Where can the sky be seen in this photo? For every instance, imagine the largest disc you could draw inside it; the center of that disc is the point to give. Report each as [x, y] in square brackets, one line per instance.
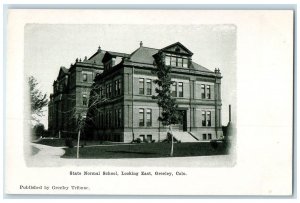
[50, 46]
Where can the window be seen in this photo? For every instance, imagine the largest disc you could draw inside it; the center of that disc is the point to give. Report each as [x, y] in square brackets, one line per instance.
[203, 118]
[209, 136]
[116, 118]
[173, 61]
[203, 91]
[208, 118]
[204, 136]
[84, 100]
[142, 137]
[141, 117]
[149, 117]
[119, 87]
[84, 77]
[174, 89]
[119, 117]
[185, 63]
[110, 90]
[107, 90]
[179, 62]
[180, 89]
[149, 86]
[141, 86]
[167, 60]
[116, 87]
[101, 92]
[208, 91]
[149, 138]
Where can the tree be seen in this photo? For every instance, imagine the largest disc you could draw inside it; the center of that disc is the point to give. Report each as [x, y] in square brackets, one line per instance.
[39, 130]
[38, 100]
[170, 114]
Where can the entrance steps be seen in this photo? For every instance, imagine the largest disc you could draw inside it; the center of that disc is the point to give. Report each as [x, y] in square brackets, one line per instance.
[184, 136]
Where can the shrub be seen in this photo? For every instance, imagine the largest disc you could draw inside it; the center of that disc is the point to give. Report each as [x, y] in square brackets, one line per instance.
[214, 144]
[138, 140]
[69, 142]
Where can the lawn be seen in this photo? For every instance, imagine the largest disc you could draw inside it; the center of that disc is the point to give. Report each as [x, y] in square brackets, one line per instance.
[147, 150]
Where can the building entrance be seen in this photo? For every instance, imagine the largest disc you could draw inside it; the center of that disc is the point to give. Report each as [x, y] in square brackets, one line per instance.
[182, 125]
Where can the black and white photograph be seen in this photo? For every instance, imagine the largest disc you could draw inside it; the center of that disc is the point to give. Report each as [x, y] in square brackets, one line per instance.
[158, 97]
[144, 103]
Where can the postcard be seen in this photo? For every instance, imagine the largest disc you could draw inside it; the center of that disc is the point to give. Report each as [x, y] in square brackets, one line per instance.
[149, 102]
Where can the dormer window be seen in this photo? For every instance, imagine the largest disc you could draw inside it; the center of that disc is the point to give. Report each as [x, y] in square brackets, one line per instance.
[176, 61]
[185, 62]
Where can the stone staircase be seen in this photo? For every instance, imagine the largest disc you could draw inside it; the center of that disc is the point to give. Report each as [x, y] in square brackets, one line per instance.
[184, 136]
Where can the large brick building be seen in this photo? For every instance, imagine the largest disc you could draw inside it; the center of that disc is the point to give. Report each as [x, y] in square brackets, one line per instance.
[122, 108]
[71, 92]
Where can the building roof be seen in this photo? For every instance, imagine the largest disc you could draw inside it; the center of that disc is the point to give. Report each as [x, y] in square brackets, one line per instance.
[62, 72]
[199, 67]
[178, 44]
[96, 58]
[113, 53]
[64, 69]
[143, 55]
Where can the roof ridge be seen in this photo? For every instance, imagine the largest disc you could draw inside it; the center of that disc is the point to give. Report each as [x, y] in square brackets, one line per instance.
[149, 48]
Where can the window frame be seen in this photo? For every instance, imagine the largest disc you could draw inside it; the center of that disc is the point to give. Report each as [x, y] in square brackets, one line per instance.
[203, 91]
[174, 92]
[84, 100]
[149, 112]
[208, 92]
[142, 82]
[141, 120]
[180, 93]
[209, 136]
[149, 82]
[84, 77]
[208, 118]
[203, 118]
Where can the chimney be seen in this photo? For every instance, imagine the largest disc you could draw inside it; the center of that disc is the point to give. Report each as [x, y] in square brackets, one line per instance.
[141, 43]
[99, 49]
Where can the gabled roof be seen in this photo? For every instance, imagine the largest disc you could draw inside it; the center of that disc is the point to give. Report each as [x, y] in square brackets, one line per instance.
[176, 45]
[143, 55]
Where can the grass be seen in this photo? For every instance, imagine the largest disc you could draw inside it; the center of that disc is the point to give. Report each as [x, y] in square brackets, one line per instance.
[147, 150]
[55, 142]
